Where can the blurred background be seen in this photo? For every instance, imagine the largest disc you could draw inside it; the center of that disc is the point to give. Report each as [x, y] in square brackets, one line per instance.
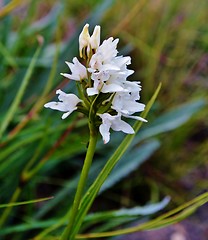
[42, 155]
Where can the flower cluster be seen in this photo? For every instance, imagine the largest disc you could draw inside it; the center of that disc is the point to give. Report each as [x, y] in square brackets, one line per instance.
[105, 94]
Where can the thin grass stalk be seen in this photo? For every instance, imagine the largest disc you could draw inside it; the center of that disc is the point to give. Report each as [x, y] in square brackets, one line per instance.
[12, 110]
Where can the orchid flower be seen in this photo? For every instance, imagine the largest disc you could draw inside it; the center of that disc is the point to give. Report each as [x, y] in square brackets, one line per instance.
[114, 122]
[105, 97]
[68, 103]
[102, 72]
[78, 71]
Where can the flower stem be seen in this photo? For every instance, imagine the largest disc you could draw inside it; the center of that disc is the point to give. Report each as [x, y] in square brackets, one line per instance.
[82, 181]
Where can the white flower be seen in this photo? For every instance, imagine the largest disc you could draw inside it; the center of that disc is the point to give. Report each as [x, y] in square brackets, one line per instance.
[122, 62]
[104, 72]
[104, 54]
[108, 71]
[102, 84]
[108, 49]
[68, 103]
[134, 88]
[78, 71]
[125, 104]
[114, 122]
[85, 41]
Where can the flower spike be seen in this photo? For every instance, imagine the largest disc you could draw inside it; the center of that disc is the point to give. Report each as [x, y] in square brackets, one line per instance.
[105, 94]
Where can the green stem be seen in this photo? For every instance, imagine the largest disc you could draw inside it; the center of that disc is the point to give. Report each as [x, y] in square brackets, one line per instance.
[82, 181]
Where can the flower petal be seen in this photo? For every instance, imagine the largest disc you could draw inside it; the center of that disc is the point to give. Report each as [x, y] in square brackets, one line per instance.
[105, 132]
[68, 103]
[78, 71]
[56, 106]
[114, 122]
[65, 115]
[135, 117]
[70, 100]
[109, 88]
[92, 91]
[120, 125]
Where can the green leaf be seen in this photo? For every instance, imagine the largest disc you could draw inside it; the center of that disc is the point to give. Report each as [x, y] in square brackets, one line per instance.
[12, 110]
[111, 219]
[95, 187]
[24, 203]
[132, 212]
[166, 219]
[122, 169]
[6, 55]
[28, 226]
[171, 120]
[130, 162]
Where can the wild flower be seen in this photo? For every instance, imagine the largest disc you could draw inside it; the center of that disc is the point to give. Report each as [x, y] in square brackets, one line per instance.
[105, 94]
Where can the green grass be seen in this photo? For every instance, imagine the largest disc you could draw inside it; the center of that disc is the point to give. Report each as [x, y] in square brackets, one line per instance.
[42, 155]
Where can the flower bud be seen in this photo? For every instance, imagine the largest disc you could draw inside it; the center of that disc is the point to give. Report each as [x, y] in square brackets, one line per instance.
[95, 38]
[84, 39]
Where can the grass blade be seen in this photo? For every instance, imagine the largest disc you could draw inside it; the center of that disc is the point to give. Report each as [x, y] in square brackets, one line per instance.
[12, 110]
[24, 202]
[169, 218]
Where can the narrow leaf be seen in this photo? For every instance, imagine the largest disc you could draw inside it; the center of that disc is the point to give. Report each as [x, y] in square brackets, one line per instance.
[95, 187]
[171, 217]
[130, 162]
[12, 110]
[132, 212]
[24, 203]
[171, 120]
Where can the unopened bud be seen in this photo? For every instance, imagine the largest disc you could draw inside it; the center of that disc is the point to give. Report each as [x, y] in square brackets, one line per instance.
[95, 38]
[84, 39]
